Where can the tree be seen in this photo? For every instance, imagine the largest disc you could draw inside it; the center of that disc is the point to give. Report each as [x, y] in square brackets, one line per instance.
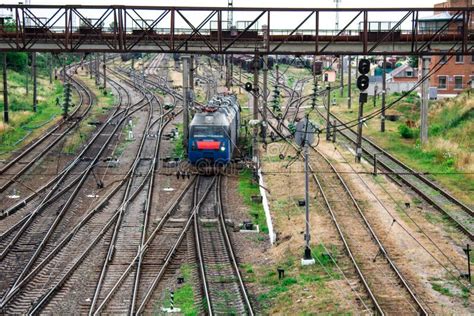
[413, 61]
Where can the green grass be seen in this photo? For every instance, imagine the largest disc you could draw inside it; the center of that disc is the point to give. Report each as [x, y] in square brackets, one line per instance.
[23, 121]
[184, 295]
[451, 138]
[248, 188]
[81, 135]
[296, 278]
[178, 150]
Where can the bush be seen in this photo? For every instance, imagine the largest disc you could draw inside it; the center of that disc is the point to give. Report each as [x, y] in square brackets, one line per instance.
[406, 132]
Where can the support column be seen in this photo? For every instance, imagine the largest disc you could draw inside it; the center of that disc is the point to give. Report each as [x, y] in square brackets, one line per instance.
[5, 90]
[35, 83]
[186, 62]
[265, 98]
[104, 66]
[424, 102]
[384, 91]
[255, 107]
[349, 83]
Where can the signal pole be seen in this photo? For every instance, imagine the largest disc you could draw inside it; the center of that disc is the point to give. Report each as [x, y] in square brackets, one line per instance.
[362, 84]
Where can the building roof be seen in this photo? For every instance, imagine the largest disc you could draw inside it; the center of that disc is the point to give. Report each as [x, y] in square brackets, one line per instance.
[398, 70]
[444, 16]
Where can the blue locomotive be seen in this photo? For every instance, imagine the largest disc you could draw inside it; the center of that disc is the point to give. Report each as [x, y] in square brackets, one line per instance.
[214, 131]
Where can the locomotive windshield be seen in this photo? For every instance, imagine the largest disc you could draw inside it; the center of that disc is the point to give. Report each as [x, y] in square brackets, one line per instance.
[208, 131]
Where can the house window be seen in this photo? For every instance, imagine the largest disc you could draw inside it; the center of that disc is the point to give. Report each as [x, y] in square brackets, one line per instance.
[459, 59]
[472, 58]
[444, 59]
[442, 82]
[472, 82]
[458, 82]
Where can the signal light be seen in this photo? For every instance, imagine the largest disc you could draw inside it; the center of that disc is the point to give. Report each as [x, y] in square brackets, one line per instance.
[362, 82]
[364, 66]
[248, 87]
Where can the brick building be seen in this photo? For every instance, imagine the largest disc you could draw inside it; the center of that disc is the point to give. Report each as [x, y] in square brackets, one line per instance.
[458, 72]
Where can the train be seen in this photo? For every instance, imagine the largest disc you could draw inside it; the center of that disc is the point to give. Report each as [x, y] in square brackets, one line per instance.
[214, 131]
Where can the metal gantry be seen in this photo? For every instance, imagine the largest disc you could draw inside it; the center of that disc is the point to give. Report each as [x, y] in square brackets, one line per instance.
[203, 30]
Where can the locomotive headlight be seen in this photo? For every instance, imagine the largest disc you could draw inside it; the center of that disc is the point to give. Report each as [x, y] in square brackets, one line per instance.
[222, 148]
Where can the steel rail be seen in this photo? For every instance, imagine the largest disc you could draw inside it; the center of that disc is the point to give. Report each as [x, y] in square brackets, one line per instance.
[230, 249]
[63, 209]
[349, 132]
[67, 238]
[367, 224]
[112, 242]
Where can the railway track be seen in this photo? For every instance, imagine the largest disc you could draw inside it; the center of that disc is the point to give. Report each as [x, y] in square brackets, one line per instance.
[47, 223]
[222, 283]
[459, 213]
[18, 170]
[38, 148]
[387, 288]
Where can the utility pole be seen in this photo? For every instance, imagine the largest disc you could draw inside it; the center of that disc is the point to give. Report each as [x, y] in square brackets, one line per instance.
[104, 66]
[97, 74]
[277, 72]
[50, 68]
[384, 91]
[240, 78]
[349, 82]
[328, 117]
[337, 14]
[304, 136]
[342, 75]
[255, 106]
[265, 97]
[35, 87]
[186, 61]
[5, 90]
[265, 85]
[90, 65]
[64, 70]
[424, 101]
[191, 74]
